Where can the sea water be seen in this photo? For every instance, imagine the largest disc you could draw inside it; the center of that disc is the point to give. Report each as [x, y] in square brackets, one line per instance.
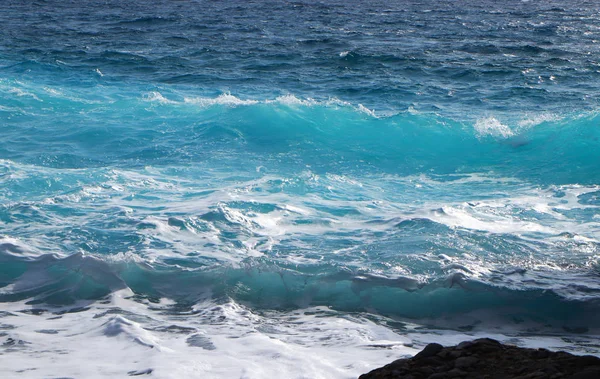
[253, 189]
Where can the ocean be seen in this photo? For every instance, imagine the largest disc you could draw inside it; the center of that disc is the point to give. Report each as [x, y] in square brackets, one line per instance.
[294, 189]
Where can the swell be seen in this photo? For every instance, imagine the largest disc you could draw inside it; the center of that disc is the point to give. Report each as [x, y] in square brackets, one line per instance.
[330, 136]
[51, 280]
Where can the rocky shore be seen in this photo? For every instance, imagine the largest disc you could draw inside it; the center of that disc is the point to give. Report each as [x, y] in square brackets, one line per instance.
[487, 358]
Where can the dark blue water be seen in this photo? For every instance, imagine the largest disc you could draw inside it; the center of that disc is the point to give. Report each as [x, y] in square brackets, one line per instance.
[431, 162]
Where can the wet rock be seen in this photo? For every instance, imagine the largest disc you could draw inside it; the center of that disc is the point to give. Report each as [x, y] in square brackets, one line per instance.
[540, 354]
[455, 353]
[431, 361]
[443, 354]
[464, 345]
[425, 371]
[441, 375]
[456, 373]
[486, 341]
[429, 351]
[593, 373]
[465, 362]
[487, 358]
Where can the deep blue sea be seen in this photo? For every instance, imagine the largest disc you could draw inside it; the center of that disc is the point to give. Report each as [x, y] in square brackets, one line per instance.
[294, 189]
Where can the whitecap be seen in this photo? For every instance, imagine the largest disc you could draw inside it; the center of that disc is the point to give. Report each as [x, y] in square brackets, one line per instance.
[491, 126]
[156, 96]
[223, 99]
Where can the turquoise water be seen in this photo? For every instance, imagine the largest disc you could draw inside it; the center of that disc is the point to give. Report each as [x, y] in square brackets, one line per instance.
[426, 163]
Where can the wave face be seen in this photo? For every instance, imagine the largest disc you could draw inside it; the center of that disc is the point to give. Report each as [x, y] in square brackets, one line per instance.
[373, 179]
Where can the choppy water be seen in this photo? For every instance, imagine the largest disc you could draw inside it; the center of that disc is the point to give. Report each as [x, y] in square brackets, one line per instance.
[302, 189]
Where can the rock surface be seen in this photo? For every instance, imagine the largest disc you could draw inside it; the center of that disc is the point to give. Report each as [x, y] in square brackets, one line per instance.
[487, 358]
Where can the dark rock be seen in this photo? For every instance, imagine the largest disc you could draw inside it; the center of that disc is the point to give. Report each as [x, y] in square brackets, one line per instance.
[550, 370]
[431, 361]
[488, 358]
[429, 351]
[456, 373]
[464, 362]
[533, 375]
[443, 354]
[440, 375]
[588, 373]
[425, 371]
[587, 360]
[456, 353]
[487, 341]
[464, 345]
[540, 354]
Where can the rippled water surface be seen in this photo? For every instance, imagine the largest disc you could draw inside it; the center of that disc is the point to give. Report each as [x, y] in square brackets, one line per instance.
[301, 189]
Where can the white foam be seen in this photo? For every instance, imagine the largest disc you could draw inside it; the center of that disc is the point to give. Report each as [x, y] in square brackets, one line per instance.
[292, 100]
[217, 341]
[230, 100]
[363, 109]
[534, 120]
[158, 97]
[223, 99]
[490, 126]
[457, 217]
[22, 93]
[221, 341]
[53, 91]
